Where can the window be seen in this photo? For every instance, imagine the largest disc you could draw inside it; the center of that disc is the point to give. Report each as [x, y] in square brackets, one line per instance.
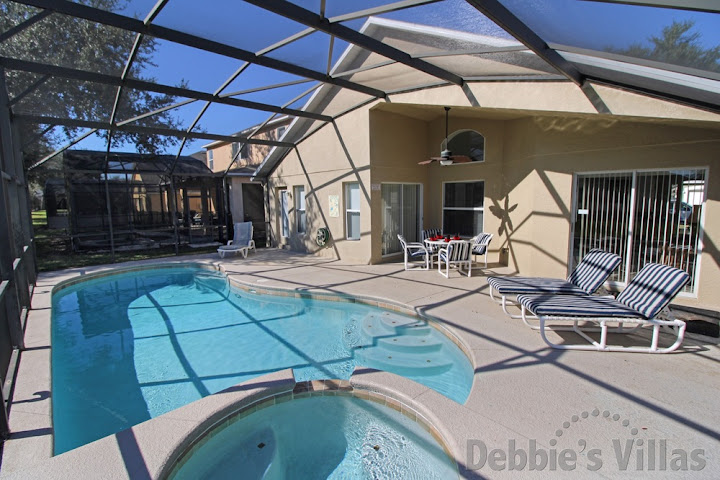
[243, 147]
[463, 208]
[300, 208]
[401, 215]
[352, 211]
[284, 213]
[280, 132]
[210, 159]
[466, 142]
[643, 216]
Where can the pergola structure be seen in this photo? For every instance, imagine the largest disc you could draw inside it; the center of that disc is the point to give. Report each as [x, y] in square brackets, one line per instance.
[259, 59]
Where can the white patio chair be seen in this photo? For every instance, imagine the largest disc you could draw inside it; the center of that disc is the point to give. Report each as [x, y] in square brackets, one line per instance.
[480, 245]
[242, 241]
[457, 253]
[414, 250]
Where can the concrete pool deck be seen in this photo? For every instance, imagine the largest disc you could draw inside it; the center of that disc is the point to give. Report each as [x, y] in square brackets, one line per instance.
[610, 415]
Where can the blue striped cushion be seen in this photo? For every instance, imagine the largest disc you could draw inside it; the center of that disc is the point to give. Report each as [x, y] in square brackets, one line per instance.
[576, 306]
[518, 285]
[457, 251]
[430, 232]
[479, 246]
[653, 288]
[595, 267]
[417, 253]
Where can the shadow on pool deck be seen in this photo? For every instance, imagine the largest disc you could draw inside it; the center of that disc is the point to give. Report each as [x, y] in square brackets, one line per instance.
[522, 391]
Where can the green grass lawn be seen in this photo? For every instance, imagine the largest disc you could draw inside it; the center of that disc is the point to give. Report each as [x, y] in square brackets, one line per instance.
[54, 250]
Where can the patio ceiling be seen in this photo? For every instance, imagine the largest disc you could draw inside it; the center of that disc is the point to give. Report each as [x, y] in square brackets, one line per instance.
[265, 59]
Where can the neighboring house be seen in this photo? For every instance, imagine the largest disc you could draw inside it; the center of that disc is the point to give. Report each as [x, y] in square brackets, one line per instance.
[551, 179]
[246, 197]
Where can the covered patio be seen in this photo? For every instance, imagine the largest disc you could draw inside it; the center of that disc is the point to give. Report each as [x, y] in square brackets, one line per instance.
[522, 392]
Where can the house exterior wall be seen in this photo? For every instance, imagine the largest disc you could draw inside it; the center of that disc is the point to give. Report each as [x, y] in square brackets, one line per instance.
[323, 164]
[530, 161]
[541, 156]
[222, 152]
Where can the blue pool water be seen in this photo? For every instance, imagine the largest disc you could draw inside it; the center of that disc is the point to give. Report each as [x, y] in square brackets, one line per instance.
[130, 347]
[319, 437]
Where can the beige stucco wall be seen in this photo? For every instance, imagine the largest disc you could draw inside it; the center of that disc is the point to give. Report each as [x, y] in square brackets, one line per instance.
[222, 152]
[531, 157]
[541, 156]
[323, 164]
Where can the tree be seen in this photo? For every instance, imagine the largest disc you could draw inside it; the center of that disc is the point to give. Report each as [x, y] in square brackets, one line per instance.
[677, 45]
[71, 42]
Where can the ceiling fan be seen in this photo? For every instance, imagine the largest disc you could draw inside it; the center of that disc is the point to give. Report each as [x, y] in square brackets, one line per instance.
[446, 157]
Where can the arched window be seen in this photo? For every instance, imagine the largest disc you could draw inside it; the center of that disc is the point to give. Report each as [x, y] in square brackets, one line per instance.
[466, 142]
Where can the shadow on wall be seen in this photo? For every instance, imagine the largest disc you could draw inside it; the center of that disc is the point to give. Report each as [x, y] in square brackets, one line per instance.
[568, 146]
[316, 206]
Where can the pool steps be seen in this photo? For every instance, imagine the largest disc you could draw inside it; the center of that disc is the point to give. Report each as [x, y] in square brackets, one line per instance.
[403, 345]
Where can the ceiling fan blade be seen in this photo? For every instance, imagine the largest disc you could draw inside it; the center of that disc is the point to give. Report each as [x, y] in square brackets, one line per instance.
[460, 158]
[426, 162]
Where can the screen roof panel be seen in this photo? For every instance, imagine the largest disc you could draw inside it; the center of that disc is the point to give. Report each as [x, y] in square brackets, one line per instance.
[232, 22]
[272, 53]
[133, 8]
[668, 35]
[310, 51]
[171, 64]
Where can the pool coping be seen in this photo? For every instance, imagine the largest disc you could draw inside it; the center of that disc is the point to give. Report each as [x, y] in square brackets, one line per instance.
[372, 391]
[36, 447]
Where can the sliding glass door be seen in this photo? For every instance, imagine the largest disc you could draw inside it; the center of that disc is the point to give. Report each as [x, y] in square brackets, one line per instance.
[400, 215]
[643, 216]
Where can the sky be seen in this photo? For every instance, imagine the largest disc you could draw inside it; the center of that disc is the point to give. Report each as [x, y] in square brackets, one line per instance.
[586, 24]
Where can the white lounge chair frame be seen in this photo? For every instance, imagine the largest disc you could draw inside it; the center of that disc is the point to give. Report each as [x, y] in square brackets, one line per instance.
[239, 245]
[643, 303]
[674, 325]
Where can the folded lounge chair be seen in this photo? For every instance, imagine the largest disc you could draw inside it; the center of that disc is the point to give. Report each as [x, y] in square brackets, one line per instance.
[242, 240]
[640, 303]
[590, 274]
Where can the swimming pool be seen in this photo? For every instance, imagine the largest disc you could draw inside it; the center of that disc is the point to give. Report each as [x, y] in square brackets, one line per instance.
[318, 437]
[132, 346]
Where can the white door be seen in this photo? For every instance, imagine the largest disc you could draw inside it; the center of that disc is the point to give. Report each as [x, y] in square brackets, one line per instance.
[285, 213]
[401, 215]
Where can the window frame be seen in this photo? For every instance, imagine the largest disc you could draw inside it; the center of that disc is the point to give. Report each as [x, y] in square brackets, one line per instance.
[468, 209]
[300, 220]
[348, 211]
[446, 141]
[211, 160]
[626, 258]
[284, 213]
[235, 146]
[420, 213]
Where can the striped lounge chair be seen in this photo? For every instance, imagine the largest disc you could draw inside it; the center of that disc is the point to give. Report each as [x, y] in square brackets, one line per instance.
[413, 251]
[590, 274]
[642, 301]
[457, 253]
